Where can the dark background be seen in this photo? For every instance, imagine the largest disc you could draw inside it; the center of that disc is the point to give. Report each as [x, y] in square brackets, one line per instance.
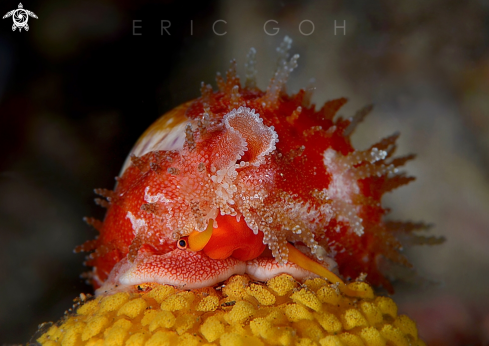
[78, 89]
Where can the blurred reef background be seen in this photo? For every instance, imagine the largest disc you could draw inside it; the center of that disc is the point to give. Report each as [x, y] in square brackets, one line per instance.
[78, 89]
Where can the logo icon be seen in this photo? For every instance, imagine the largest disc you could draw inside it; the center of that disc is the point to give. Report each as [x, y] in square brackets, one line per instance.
[20, 17]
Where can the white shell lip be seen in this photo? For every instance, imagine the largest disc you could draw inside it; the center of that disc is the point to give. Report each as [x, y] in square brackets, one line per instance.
[125, 275]
[129, 278]
[263, 269]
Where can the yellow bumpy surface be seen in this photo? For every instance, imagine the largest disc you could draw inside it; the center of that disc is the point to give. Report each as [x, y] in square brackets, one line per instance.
[238, 313]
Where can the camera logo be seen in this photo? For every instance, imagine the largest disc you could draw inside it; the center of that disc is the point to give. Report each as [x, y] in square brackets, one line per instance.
[20, 17]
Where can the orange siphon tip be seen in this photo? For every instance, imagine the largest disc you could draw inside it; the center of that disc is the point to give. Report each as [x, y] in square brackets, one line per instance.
[198, 240]
[297, 257]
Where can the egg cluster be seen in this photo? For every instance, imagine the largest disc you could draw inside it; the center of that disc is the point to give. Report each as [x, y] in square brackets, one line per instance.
[239, 312]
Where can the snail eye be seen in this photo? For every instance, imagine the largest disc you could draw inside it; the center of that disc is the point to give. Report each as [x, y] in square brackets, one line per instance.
[182, 243]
